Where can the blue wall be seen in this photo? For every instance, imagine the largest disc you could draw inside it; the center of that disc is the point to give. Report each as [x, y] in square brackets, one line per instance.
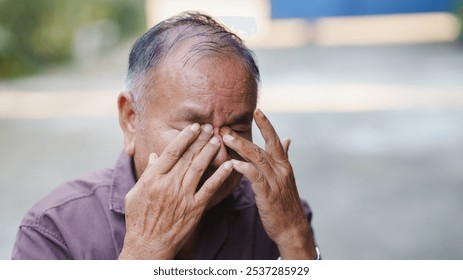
[322, 8]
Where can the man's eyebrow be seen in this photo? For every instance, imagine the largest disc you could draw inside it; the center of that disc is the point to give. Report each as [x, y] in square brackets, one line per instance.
[196, 116]
[190, 115]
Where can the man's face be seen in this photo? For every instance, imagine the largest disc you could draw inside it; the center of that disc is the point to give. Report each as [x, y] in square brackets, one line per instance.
[206, 89]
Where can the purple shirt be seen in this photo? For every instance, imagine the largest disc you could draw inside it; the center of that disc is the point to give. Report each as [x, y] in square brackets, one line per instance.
[85, 219]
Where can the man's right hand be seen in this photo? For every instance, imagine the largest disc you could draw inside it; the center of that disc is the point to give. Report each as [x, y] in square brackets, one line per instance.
[165, 206]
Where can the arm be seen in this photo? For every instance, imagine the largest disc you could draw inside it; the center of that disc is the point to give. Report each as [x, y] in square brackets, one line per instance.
[36, 243]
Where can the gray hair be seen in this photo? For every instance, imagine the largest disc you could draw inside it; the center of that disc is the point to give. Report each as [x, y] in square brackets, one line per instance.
[153, 46]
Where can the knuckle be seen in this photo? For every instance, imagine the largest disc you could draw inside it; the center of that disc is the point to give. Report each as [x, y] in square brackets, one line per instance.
[197, 168]
[260, 178]
[261, 160]
[173, 152]
[286, 172]
[260, 156]
[207, 189]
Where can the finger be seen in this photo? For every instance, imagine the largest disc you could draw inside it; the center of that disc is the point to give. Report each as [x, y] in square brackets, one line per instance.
[174, 151]
[184, 162]
[248, 150]
[258, 180]
[196, 147]
[272, 141]
[285, 143]
[199, 164]
[213, 184]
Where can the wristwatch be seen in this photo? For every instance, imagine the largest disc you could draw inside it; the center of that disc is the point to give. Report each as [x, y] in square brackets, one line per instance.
[319, 256]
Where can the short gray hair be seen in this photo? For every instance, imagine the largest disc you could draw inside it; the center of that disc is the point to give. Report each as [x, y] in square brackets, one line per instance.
[153, 46]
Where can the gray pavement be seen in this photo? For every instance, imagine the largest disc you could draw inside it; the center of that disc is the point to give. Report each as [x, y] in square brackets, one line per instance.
[382, 184]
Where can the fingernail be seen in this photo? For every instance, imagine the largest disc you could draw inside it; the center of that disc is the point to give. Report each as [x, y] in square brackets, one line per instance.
[234, 161]
[194, 127]
[152, 158]
[228, 138]
[207, 128]
[259, 112]
[227, 165]
[214, 140]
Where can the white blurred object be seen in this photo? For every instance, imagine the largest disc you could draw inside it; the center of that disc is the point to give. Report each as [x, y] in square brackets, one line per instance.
[251, 20]
[387, 29]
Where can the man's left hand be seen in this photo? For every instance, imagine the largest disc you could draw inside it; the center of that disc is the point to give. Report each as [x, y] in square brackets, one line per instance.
[274, 185]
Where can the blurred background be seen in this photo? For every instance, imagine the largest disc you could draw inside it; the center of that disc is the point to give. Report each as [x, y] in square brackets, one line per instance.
[370, 91]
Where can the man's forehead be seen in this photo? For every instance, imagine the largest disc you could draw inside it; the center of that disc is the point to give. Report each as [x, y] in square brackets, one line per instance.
[207, 81]
[189, 53]
[207, 75]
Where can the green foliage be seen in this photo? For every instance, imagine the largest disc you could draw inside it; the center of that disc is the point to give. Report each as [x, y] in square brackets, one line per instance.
[38, 33]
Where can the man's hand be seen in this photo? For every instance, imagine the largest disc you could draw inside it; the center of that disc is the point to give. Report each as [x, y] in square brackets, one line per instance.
[273, 182]
[165, 206]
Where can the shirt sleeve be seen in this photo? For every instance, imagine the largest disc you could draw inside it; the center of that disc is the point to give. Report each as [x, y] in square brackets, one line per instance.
[36, 243]
[307, 211]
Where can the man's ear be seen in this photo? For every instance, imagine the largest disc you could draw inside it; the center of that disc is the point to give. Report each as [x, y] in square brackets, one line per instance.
[128, 121]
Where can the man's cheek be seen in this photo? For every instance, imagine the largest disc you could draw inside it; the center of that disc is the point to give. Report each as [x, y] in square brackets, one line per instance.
[163, 138]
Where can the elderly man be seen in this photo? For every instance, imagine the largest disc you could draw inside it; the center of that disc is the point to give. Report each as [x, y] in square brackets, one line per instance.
[178, 190]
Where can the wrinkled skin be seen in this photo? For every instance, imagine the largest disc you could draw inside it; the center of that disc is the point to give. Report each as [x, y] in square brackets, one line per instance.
[185, 166]
[275, 189]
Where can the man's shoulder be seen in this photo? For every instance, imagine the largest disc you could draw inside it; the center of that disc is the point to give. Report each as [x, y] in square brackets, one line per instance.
[74, 221]
[87, 191]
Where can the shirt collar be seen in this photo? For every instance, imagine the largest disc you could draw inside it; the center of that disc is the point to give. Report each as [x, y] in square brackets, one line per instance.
[124, 179]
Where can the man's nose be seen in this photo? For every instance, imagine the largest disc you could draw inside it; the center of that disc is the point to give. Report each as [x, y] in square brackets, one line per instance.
[222, 155]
